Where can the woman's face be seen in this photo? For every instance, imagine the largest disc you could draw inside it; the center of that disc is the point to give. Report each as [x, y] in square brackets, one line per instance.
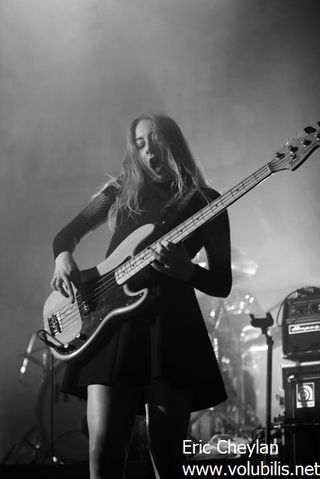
[150, 152]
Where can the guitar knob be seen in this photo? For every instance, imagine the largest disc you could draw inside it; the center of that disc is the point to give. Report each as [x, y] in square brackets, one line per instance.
[305, 142]
[82, 336]
[86, 307]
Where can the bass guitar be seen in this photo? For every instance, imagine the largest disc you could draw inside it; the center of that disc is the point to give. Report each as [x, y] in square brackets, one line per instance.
[72, 330]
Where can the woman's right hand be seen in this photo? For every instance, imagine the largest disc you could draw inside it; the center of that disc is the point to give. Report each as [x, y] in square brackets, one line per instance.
[66, 274]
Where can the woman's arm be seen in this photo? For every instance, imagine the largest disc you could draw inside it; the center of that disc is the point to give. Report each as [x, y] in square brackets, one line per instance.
[217, 279]
[92, 216]
[66, 271]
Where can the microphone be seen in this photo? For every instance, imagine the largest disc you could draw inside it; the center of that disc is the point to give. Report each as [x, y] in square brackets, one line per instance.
[27, 353]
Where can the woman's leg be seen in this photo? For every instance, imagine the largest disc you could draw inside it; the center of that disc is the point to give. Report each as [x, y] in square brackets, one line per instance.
[168, 414]
[111, 414]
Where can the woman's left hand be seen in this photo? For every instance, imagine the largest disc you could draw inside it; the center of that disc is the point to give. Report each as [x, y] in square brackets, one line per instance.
[173, 260]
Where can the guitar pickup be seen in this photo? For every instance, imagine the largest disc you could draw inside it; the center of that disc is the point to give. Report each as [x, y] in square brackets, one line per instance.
[84, 305]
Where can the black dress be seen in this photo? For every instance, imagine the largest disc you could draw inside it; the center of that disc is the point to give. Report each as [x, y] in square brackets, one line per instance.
[168, 339]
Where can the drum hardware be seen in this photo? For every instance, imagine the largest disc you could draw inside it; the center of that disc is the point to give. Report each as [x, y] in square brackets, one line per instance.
[31, 355]
[27, 354]
[27, 451]
[265, 323]
[30, 449]
[70, 432]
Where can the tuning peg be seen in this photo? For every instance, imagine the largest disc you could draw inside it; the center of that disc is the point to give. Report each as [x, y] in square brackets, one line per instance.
[279, 155]
[305, 141]
[309, 129]
[291, 147]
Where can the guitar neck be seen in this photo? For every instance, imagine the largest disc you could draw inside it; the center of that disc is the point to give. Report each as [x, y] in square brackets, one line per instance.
[217, 206]
[131, 267]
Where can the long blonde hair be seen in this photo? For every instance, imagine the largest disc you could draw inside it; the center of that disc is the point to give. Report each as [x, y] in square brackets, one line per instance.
[186, 173]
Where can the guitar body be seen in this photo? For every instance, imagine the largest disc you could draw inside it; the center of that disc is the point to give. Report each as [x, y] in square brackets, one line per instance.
[74, 329]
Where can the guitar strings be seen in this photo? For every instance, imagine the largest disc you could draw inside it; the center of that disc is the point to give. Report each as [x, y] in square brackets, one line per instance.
[108, 282]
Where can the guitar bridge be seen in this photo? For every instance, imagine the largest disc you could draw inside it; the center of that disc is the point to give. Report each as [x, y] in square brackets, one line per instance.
[54, 323]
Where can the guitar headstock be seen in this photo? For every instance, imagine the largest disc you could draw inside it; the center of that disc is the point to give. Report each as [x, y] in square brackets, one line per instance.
[295, 152]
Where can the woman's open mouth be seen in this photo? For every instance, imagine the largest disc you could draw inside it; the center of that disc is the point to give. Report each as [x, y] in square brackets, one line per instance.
[155, 164]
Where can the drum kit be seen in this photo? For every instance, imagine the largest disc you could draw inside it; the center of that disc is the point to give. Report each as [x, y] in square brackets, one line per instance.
[61, 418]
[231, 335]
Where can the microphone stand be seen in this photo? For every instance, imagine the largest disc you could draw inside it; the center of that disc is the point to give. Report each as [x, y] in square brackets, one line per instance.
[264, 324]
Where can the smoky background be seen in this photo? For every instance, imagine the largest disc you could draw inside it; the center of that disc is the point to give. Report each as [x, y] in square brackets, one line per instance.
[239, 77]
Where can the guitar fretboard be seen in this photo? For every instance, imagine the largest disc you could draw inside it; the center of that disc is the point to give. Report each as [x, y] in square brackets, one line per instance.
[131, 267]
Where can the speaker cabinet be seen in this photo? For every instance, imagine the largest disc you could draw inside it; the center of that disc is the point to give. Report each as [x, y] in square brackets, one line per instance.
[301, 385]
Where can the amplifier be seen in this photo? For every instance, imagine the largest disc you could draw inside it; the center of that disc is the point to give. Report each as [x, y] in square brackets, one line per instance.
[301, 429]
[301, 327]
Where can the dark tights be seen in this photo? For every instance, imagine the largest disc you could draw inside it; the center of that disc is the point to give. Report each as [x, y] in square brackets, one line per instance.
[111, 416]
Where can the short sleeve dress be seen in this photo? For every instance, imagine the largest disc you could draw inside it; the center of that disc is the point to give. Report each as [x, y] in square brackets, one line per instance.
[168, 338]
